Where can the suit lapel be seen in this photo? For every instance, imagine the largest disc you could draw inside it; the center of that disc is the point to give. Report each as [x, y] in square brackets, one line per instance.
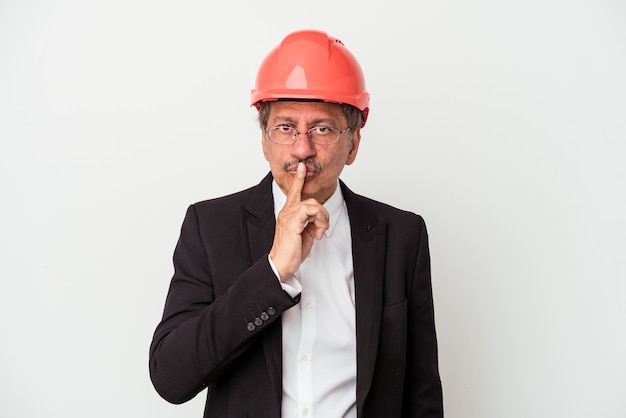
[259, 220]
[368, 246]
[259, 224]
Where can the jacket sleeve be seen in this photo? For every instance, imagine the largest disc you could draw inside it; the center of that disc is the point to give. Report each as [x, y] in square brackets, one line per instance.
[204, 328]
[423, 391]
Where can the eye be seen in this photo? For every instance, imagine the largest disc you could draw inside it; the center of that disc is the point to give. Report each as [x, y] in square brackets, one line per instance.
[283, 129]
[321, 130]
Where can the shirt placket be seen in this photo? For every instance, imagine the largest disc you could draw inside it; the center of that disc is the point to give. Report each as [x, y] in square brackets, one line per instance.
[306, 354]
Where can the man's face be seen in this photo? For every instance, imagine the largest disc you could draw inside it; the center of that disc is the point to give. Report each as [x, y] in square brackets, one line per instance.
[324, 162]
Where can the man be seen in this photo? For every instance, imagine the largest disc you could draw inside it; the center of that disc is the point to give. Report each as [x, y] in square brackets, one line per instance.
[297, 297]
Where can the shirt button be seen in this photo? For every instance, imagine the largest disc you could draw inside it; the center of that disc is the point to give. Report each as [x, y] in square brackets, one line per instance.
[308, 306]
[305, 411]
[251, 326]
[304, 358]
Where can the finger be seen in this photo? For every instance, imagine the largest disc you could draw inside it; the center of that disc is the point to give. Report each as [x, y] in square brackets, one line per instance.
[315, 230]
[318, 223]
[295, 194]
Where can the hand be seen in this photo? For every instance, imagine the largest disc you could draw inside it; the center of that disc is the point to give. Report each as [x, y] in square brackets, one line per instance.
[298, 225]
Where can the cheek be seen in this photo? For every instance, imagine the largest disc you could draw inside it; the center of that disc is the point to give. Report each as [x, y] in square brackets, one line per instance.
[271, 155]
[264, 147]
[338, 159]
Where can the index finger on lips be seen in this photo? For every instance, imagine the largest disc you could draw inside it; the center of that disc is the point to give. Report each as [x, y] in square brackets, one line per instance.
[295, 194]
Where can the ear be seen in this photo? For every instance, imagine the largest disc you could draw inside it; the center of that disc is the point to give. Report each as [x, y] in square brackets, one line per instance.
[355, 141]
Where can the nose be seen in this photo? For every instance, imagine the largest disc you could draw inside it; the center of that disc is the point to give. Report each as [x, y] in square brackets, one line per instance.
[303, 148]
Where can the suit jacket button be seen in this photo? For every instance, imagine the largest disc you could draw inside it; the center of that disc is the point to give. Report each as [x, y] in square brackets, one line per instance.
[258, 322]
[271, 310]
[265, 316]
[251, 326]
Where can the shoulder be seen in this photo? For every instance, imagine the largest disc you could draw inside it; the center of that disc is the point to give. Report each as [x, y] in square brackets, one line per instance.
[253, 197]
[230, 200]
[380, 210]
[387, 209]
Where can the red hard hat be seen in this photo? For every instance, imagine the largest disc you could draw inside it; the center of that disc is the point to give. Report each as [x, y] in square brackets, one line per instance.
[309, 64]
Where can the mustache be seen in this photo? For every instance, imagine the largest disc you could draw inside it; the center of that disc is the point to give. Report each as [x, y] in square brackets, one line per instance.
[308, 161]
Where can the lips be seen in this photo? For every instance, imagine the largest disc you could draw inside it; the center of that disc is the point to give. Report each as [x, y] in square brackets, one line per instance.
[312, 168]
[310, 172]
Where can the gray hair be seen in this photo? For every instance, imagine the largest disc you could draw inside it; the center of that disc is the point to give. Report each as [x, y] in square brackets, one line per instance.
[353, 115]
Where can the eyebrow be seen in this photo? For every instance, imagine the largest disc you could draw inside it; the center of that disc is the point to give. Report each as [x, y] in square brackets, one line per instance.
[292, 121]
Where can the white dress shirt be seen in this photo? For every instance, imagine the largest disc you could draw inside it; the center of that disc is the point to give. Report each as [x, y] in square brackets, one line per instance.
[319, 333]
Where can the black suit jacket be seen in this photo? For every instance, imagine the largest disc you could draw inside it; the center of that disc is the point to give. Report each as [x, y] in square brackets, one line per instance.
[221, 324]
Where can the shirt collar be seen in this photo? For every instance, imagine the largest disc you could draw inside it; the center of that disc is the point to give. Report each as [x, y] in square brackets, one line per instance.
[334, 205]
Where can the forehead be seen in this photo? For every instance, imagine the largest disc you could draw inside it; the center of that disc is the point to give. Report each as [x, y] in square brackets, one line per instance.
[310, 112]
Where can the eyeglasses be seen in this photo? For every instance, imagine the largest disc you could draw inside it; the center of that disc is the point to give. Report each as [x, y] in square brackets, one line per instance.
[321, 134]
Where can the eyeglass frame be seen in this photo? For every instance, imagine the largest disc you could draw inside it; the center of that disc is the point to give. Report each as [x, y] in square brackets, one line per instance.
[297, 133]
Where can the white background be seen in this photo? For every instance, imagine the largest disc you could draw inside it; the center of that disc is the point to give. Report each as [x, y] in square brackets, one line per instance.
[501, 122]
